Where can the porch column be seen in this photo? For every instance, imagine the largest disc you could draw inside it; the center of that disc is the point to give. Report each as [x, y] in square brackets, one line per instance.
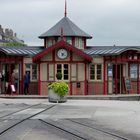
[104, 76]
[71, 59]
[39, 82]
[116, 75]
[137, 77]
[22, 76]
[85, 79]
[70, 88]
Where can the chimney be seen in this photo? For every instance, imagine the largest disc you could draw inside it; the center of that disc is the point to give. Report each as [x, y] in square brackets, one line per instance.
[7, 31]
[10, 32]
[1, 29]
[15, 34]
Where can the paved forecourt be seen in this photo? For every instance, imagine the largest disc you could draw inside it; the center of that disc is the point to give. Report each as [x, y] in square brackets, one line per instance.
[36, 118]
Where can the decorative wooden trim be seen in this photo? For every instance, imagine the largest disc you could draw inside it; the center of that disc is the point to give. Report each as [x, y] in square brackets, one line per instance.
[39, 81]
[70, 88]
[73, 41]
[47, 72]
[22, 75]
[85, 82]
[53, 56]
[138, 73]
[10, 59]
[116, 77]
[52, 62]
[77, 72]
[65, 45]
[85, 45]
[45, 43]
[104, 76]
[54, 72]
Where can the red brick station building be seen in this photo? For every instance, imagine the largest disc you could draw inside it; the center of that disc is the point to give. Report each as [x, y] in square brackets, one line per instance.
[88, 70]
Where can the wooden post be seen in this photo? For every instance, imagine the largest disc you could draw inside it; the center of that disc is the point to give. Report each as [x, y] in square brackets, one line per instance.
[85, 79]
[104, 76]
[22, 77]
[116, 76]
[138, 77]
[39, 82]
[70, 88]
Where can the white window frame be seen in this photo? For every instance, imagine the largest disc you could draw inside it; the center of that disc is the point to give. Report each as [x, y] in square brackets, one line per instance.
[62, 65]
[69, 40]
[31, 70]
[79, 43]
[133, 71]
[95, 68]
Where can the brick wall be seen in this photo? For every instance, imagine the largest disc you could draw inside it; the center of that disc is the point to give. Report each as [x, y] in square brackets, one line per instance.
[78, 91]
[134, 87]
[33, 88]
[44, 89]
[95, 88]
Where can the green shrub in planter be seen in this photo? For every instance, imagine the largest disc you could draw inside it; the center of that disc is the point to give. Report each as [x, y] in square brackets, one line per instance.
[60, 88]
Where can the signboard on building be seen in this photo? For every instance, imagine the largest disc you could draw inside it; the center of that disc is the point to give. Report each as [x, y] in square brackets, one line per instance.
[110, 69]
[127, 83]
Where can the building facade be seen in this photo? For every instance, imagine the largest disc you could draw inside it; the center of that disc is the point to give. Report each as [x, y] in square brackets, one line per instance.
[88, 70]
[7, 35]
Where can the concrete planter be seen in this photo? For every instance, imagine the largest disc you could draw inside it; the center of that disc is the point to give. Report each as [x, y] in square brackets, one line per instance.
[53, 97]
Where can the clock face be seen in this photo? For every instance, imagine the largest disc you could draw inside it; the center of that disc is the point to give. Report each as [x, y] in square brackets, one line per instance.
[62, 53]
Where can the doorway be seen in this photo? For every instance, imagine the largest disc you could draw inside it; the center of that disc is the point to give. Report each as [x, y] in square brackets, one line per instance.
[118, 79]
[7, 69]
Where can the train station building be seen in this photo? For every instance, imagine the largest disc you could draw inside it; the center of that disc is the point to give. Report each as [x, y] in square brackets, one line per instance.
[88, 70]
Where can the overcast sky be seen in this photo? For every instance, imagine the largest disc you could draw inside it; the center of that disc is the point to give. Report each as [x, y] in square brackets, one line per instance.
[108, 21]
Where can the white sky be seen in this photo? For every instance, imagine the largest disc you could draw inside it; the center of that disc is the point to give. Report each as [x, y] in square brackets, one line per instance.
[108, 21]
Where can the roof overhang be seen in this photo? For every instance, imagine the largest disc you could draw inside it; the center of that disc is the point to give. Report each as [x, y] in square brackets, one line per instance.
[110, 51]
[62, 44]
[43, 37]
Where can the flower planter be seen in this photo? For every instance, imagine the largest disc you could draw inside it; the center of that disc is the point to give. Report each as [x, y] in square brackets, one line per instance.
[53, 97]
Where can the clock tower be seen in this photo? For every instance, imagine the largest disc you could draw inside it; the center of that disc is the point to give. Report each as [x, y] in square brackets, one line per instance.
[63, 53]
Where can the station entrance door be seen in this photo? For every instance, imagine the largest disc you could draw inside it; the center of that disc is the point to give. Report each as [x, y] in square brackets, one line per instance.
[115, 78]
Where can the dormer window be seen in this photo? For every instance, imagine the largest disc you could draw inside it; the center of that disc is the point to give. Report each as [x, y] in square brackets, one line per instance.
[69, 40]
[79, 43]
[50, 42]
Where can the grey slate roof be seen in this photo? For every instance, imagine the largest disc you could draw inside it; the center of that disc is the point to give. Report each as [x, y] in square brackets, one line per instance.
[92, 51]
[69, 29]
[109, 50]
[20, 51]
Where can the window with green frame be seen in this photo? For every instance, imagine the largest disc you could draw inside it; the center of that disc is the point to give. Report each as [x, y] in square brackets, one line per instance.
[95, 72]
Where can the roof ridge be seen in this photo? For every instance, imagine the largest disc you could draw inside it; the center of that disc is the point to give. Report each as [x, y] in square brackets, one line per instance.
[70, 29]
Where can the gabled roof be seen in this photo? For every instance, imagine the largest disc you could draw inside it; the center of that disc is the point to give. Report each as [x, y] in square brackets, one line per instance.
[69, 29]
[62, 44]
[109, 50]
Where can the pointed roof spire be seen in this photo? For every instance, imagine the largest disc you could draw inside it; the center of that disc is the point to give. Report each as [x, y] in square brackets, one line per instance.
[62, 33]
[65, 8]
